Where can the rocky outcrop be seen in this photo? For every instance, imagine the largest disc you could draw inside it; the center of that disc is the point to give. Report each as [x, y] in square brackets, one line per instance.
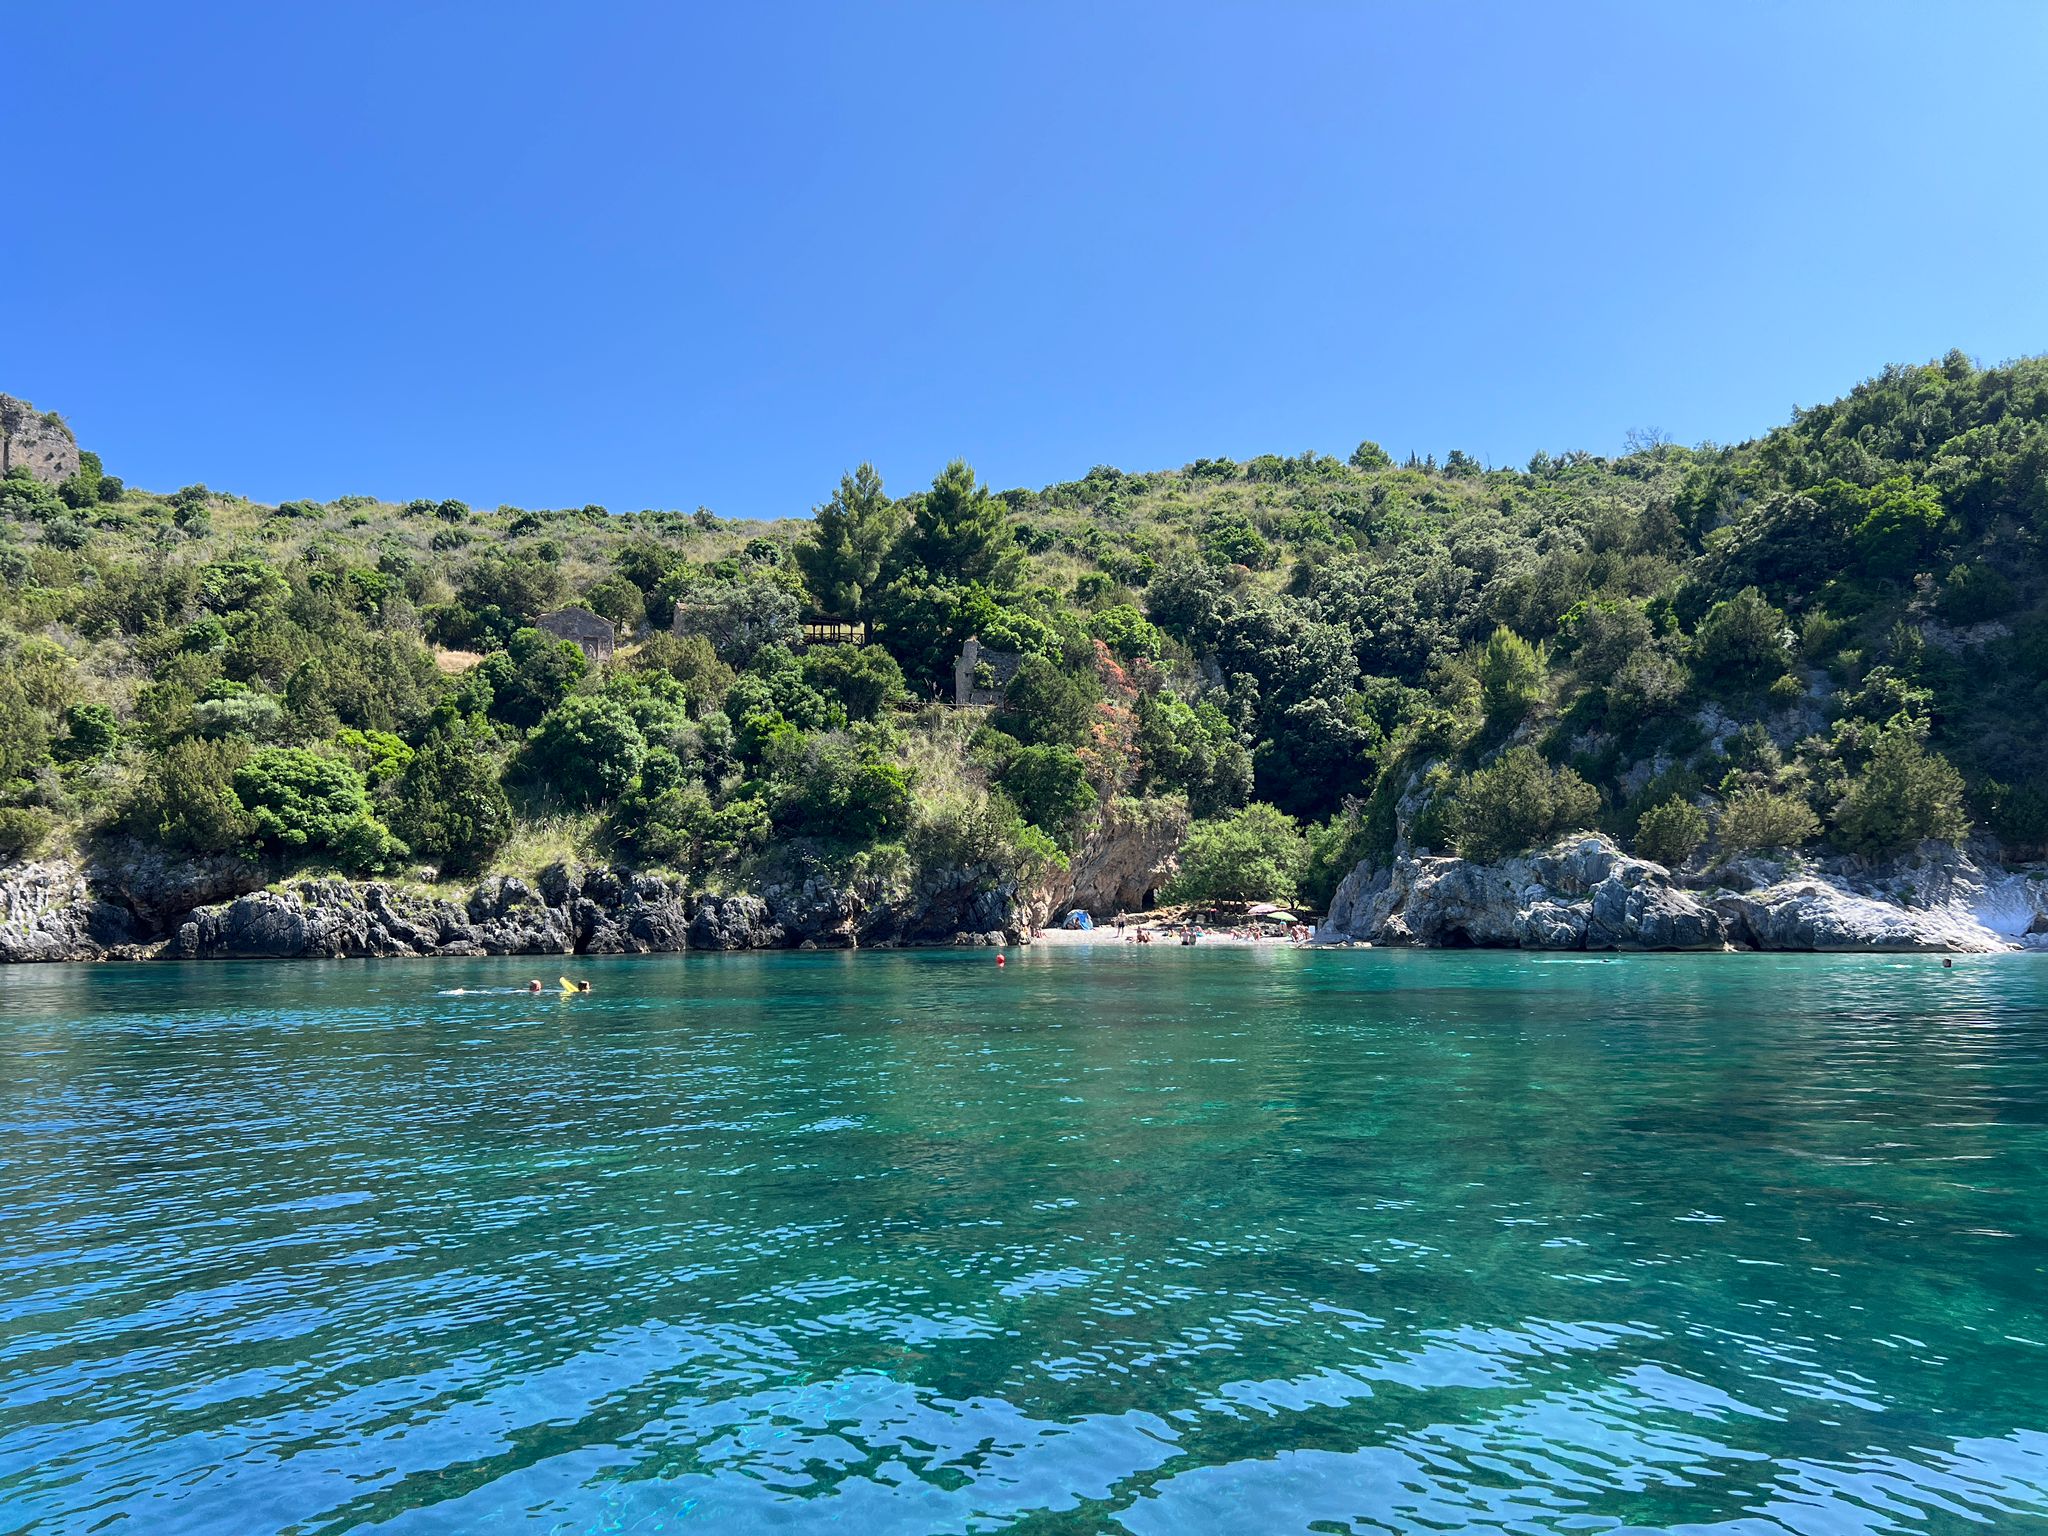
[1584, 893]
[1131, 852]
[49, 912]
[134, 904]
[732, 922]
[158, 886]
[1937, 898]
[598, 912]
[1811, 914]
[41, 443]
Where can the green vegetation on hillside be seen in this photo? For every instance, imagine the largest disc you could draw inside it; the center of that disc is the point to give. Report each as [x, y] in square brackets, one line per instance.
[1836, 633]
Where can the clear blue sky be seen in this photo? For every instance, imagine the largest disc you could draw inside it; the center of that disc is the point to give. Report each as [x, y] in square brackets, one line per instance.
[670, 255]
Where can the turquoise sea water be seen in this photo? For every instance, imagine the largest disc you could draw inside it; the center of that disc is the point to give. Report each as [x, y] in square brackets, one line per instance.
[1151, 1241]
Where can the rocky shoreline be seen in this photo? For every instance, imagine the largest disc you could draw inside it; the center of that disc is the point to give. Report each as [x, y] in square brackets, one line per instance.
[61, 910]
[1585, 893]
[132, 902]
[1582, 893]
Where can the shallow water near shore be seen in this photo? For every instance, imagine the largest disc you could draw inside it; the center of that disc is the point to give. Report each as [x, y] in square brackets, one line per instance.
[1159, 1240]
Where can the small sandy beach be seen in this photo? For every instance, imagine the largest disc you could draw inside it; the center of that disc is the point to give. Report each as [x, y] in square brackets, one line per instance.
[1168, 934]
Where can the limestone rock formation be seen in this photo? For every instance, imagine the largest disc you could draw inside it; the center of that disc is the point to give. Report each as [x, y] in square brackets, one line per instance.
[1131, 852]
[48, 912]
[157, 885]
[1815, 915]
[1585, 893]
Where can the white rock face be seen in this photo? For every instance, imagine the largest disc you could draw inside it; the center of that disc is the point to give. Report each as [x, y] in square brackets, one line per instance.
[1582, 893]
[1585, 893]
[1811, 914]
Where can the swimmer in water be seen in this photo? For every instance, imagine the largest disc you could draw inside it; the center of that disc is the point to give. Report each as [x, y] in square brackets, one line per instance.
[534, 985]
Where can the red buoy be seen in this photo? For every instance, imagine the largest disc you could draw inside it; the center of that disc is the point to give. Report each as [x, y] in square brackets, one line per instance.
[1001, 960]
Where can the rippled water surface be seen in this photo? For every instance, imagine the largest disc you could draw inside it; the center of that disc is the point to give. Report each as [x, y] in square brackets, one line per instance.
[1136, 1240]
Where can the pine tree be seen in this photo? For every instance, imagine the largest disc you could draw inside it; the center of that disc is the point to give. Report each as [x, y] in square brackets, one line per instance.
[849, 542]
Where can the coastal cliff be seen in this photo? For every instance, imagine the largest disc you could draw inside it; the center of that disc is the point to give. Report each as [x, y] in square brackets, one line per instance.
[1585, 893]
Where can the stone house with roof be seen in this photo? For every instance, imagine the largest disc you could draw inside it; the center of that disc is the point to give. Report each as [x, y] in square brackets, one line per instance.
[590, 633]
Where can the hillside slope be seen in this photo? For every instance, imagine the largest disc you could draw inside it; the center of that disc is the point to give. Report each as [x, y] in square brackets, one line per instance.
[1831, 637]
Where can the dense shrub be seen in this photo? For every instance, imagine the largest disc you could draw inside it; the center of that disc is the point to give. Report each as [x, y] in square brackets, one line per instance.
[1896, 522]
[23, 829]
[1510, 677]
[1761, 818]
[1050, 786]
[618, 600]
[1670, 832]
[864, 680]
[186, 798]
[837, 787]
[1904, 795]
[1128, 633]
[531, 676]
[669, 818]
[300, 802]
[1256, 854]
[449, 805]
[1516, 802]
[1743, 640]
[90, 734]
[586, 751]
[1648, 684]
[1192, 750]
[252, 716]
[1976, 592]
[24, 498]
[2019, 817]
[1046, 704]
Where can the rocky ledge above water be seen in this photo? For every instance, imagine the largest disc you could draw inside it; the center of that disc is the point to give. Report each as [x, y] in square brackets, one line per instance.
[1585, 893]
[118, 909]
